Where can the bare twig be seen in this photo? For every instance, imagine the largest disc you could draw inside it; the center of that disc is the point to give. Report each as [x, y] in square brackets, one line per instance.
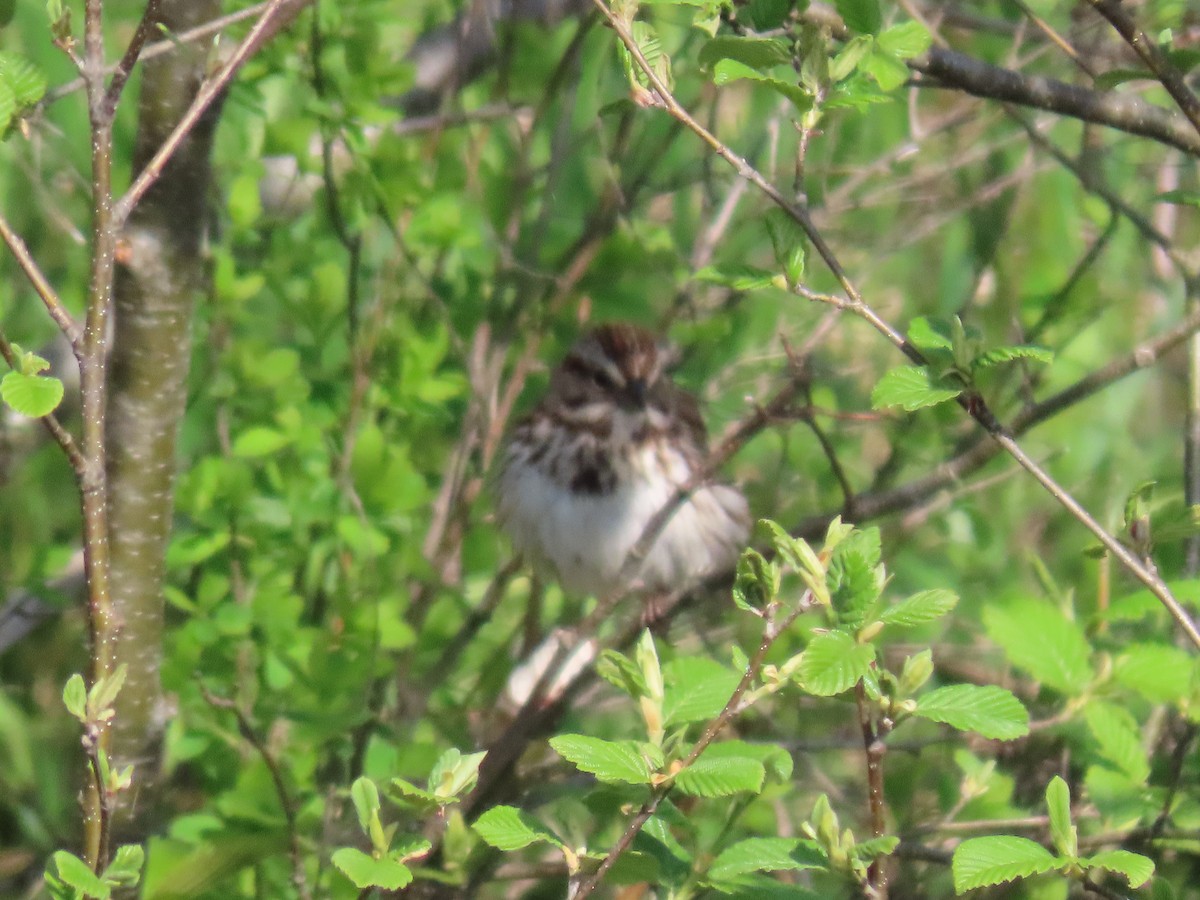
[62, 318]
[209, 91]
[129, 59]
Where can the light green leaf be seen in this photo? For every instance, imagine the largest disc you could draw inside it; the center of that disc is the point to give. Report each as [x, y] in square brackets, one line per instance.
[767, 854]
[1118, 738]
[983, 861]
[73, 871]
[998, 355]
[31, 395]
[721, 776]
[906, 40]
[1159, 672]
[848, 58]
[988, 710]
[454, 773]
[730, 70]
[1039, 639]
[1136, 868]
[366, 801]
[366, 871]
[126, 867]
[929, 334]
[862, 16]
[757, 53]
[1062, 831]
[610, 761]
[508, 828]
[259, 441]
[23, 78]
[912, 387]
[75, 697]
[925, 606]
[738, 277]
[888, 71]
[697, 689]
[833, 662]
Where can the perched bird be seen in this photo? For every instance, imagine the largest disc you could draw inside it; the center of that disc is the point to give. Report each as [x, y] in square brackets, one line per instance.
[605, 449]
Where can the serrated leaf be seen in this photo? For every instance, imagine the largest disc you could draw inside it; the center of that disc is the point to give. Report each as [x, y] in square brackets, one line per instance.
[912, 387]
[757, 53]
[508, 828]
[833, 662]
[888, 71]
[23, 78]
[1159, 672]
[1040, 640]
[73, 871]
[366, 871]
[998, 355]
[767, 854]
[862, 16]
[926, 606]
[610, 761]
[126, 867]
[929, 334]
[1058, 804]
[726, 71]
[776, 761]
[621, 672]
[987, 710]
[906, 40]
[1118, 739]
[983, 861]
[721, 776]
[1136, 868]
[697, 689]
[31, 395]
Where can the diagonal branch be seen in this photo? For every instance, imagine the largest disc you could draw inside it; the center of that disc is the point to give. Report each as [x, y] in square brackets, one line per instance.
[129, 60]
[54, 305]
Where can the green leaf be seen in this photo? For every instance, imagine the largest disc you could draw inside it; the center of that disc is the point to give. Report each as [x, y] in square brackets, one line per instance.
[610, 761]
[766, 14]
[105, 691]
[1159, 672]
[738, 277]
[912, 387]
[926, 606]
[776, 761]
[74, 872]
[1136, 868]
[366, 871]
[75, 697]
[754, 584]
[454, 774]
[366, 801]
[621, 672]
[983, 861]
[849, 57]
[259, 441]
[126, 867]
[929, 334]
[833, 662]
[988, 710]
[726, 71]
[23, 78]
[906, 40]
[1118, 738]
[31, 395]
[767, 854]
[757, 53]
[1062, 831]
[1039, 639]
[721, 776]
[998, 355]
[888, 71]
[862, 16]
[508, 828]
[697, 689]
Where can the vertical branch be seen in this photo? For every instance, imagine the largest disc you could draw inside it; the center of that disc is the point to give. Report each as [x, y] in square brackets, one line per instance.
[876, 749]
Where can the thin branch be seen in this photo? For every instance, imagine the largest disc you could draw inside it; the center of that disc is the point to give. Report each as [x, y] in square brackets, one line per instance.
[60, 434]
[129, 60]
[209, 91]
[970, 401]
[874, 749]
[1158, 63]
[286, 801]
[54, 305]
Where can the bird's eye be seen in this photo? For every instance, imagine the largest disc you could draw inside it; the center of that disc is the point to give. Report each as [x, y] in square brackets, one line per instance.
[602, 379]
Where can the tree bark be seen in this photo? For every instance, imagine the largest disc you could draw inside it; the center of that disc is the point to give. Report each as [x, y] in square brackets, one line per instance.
[160, 271]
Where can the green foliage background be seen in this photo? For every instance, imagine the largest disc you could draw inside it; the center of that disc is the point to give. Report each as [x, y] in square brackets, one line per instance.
[334, 397]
